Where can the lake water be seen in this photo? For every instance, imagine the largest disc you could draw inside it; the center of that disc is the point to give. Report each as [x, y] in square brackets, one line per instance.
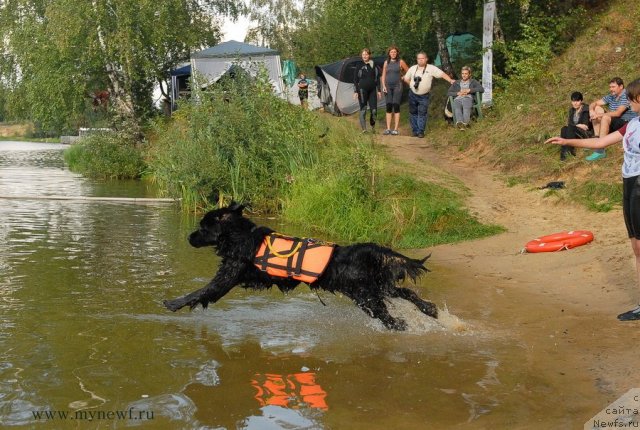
[86, 343]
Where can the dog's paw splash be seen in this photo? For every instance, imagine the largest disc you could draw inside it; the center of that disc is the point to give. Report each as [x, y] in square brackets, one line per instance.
[451, 322]
[417, 322]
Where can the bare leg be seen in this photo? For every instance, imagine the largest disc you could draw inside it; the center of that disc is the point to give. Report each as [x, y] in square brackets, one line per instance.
[596, 122]
[396, 120]
[601, 126]
[389, 120]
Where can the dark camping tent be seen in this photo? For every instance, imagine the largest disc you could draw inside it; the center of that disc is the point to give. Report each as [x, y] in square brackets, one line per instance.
[335, 85]
[179, 84]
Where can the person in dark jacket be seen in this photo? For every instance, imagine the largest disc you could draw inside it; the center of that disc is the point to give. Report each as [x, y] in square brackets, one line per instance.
[463, 92]
[303, 90]
[367, 88]
[578, 124]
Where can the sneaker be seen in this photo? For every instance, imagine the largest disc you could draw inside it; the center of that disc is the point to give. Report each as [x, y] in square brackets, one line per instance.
[394, 132]
[420, 135]
[459, 125]
[364, 131]
[632, 315]
[596, 156]
[466, 124]
[414, 134]
[387, 132]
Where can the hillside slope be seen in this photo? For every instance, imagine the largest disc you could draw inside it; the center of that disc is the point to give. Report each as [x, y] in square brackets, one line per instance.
[510, 137]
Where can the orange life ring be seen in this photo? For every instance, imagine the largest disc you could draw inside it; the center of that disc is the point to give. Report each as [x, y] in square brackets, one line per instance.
[559, 241]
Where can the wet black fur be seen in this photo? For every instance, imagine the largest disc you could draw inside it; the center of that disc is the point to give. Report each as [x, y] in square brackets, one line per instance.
[365, 272]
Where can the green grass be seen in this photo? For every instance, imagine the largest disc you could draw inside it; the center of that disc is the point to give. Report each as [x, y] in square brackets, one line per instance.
[599, 196]
[400, 210]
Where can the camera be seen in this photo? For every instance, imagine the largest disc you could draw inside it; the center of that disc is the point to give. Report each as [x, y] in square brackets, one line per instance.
[416, 81]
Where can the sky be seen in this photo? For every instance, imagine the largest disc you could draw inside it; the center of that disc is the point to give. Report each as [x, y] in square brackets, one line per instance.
[235, 30]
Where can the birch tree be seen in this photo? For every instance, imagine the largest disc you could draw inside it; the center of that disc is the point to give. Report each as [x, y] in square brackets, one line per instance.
[55, 53]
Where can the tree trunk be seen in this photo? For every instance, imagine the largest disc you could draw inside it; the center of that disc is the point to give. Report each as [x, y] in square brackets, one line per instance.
[125, 118]
[447, 67]
[498, 34]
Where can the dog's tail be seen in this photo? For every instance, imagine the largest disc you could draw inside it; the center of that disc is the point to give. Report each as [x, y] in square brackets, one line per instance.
[405, 267]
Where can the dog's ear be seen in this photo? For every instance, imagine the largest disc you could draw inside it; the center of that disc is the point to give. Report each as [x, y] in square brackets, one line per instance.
[236, 207]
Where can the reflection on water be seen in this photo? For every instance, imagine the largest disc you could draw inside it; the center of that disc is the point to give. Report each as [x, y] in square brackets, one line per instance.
[83, 330]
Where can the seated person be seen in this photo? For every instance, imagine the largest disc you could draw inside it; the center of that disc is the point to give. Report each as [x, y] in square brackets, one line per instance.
[303, 90]
[618, 114]
[464, 91]
[578, 124]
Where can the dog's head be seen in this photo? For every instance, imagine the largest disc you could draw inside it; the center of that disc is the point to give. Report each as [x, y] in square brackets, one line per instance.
[215, 223]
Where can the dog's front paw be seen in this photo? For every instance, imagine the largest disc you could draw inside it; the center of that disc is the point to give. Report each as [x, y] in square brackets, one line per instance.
[430, 309]
[171, 305]
[174, 305]
[396, 324]
[190, 300]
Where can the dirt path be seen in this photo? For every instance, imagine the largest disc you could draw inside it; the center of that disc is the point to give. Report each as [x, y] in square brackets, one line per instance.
[562, 306]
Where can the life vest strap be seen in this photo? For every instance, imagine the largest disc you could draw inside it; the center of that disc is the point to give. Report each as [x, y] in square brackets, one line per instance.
[303, 249]
[296, 246]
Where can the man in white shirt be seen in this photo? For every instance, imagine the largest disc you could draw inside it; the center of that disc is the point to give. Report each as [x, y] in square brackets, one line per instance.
[419, 78]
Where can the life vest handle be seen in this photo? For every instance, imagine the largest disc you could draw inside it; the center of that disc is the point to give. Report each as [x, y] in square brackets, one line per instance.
[277, 254]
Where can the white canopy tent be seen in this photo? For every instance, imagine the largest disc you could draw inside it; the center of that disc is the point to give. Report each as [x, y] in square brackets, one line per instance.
[212, 63]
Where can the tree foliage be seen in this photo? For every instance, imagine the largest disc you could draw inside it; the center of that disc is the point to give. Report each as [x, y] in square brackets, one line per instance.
[326, 30]
[55, 53]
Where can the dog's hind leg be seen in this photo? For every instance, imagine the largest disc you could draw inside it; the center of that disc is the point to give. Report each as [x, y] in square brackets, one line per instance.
[425, 307]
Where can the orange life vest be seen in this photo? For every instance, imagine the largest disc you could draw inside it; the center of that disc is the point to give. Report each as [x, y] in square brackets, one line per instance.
[290, 391]
[292, 257]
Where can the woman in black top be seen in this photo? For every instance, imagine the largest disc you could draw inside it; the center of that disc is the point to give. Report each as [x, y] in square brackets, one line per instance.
[367, 88]
[578, 124]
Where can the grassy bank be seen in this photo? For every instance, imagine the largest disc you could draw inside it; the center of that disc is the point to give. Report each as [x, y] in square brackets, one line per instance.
[314, 170]
[529, 110]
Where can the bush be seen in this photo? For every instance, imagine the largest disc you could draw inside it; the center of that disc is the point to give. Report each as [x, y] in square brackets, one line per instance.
[106, 155]
[239, 141]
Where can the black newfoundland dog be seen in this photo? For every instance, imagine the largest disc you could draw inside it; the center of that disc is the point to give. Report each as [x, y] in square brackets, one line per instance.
[365, 272]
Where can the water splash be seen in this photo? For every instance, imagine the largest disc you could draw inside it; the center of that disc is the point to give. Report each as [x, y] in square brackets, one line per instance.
[417, 322]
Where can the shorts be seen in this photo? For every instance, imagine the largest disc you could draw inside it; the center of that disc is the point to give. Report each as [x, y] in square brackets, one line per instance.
[616, 124]
[394, 94]
[631, 205]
